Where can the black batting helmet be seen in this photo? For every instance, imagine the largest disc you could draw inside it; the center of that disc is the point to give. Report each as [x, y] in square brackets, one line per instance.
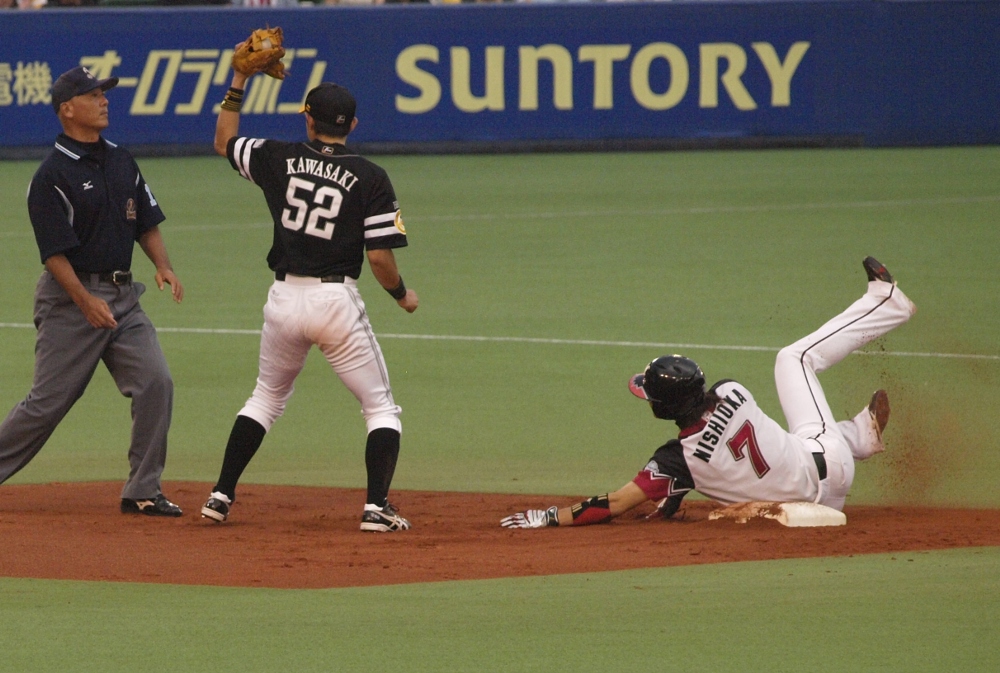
[674, 386]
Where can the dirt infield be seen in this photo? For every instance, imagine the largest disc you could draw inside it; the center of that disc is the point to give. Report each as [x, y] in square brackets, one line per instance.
[294, 537]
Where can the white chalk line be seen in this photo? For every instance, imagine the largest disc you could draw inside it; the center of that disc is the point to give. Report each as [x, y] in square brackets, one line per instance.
[713, 210]
[562, 342]
[694, 210]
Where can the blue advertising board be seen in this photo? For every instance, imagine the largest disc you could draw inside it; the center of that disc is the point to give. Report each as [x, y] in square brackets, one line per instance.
[882, 73]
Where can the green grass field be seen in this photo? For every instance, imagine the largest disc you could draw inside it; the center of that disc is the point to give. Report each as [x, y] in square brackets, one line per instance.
[545, 281]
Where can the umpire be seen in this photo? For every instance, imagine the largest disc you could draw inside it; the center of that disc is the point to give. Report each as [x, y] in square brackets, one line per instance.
[88, 204]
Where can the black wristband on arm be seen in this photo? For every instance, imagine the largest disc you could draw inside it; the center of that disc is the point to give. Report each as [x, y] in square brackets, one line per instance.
[399, 291]
[233, 100]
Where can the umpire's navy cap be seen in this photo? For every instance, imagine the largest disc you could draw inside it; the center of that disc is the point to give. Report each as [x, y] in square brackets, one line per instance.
[332, 104]
[75, 82]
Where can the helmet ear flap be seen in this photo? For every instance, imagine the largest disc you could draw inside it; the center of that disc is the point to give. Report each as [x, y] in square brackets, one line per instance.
[662, 411]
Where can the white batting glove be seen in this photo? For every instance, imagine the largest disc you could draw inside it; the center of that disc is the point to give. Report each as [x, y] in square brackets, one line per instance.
[533, 518]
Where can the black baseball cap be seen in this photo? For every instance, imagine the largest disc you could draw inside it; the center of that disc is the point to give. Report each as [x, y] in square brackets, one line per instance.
[331, 104]
[78, 81]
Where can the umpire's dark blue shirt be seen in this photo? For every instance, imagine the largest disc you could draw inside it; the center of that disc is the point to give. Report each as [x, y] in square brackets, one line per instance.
[89, 202]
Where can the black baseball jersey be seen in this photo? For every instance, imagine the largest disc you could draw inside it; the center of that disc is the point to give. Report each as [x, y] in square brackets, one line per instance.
[667, 475]
[328, 205]
[89, 202]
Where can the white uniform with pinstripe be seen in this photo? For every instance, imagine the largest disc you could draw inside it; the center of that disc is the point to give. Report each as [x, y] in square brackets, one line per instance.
[736, 453]
[882, 308]
[328, 207]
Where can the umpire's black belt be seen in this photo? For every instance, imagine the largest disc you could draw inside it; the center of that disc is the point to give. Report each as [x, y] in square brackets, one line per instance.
[280, 275]
[115, 277]
[820, 465]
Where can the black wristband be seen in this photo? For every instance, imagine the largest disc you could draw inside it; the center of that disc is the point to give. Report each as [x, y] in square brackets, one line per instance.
[552, 516]
[233, 100]
[399, 291]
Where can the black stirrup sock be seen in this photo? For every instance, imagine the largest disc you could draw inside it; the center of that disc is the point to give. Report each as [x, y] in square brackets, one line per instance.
[381, 453]
[244, 440]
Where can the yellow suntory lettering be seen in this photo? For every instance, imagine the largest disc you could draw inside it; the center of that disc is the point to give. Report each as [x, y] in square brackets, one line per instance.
[737, 63]
[489, 94]
[780, 73]
[315, 77]
[205, 70]
[679, 75]
[461, 87]
[262, 96]
[102, 66]
[562, 76]
[428, 85]
[140, 106]
[604, 57]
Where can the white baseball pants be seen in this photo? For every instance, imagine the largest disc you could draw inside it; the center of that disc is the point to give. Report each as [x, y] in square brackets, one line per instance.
[301, 312]
[882, 308]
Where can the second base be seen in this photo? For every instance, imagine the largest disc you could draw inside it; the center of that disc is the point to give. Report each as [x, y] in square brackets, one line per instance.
[791, 514]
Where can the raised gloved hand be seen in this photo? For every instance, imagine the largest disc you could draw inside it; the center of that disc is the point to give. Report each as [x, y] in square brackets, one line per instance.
[532, 518]
[261, 52]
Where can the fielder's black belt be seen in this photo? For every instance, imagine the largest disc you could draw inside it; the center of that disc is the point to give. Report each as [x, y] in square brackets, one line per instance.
[116, 277]
[820, 465]
[280, 275]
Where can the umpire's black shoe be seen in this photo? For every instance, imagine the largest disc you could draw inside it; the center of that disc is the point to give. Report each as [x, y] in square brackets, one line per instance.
[158, 506]
[876, 270]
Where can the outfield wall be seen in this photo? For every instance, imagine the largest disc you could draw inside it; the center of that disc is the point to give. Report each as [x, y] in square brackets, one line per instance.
[474, 76]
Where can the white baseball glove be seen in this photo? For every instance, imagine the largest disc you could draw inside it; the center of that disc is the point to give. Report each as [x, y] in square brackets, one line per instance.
[532, 518]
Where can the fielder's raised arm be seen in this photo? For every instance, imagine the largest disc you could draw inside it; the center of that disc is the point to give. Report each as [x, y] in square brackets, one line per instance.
[261, 52]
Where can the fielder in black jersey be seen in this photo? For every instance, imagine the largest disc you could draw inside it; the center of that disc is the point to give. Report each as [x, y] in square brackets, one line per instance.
[331, 208]
[328, 204]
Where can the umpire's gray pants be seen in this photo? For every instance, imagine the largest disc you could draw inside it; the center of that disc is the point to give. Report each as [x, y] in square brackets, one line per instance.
[67, 351]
